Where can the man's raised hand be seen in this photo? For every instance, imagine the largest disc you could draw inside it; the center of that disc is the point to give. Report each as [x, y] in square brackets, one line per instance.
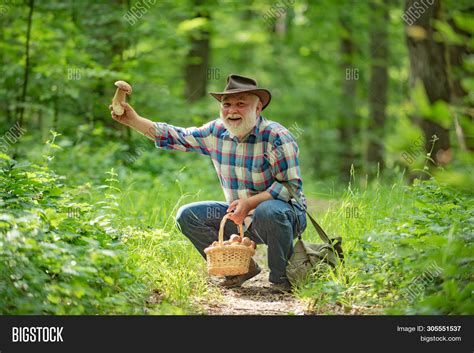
[129, 115]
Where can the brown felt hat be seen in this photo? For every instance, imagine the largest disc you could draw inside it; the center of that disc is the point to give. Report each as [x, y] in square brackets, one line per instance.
[239, 84]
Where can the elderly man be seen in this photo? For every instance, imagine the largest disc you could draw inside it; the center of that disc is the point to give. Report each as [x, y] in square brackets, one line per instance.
[254, 158]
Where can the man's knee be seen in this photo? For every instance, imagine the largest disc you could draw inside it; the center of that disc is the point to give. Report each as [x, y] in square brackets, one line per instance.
[197, 213]
[270, 210]
[183, 215]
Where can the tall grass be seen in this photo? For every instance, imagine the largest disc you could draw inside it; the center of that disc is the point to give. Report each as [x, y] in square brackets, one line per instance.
[392, 245]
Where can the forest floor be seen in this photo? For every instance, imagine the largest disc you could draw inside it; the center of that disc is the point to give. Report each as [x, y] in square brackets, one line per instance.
[255, 297]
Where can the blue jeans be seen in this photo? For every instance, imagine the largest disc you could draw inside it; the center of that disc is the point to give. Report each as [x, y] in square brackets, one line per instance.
[275, 223]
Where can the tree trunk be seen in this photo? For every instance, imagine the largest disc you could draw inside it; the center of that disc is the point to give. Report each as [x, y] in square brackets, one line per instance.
[21, 109]
[4, 100]
[197, 60]
[456, 60]
[40, 120]
[428, 65]
[378, 82]
[55, 112]
[347, 120]
[247, 54]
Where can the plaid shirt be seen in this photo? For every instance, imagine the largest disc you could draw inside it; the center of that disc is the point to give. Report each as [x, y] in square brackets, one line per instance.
[267, 156]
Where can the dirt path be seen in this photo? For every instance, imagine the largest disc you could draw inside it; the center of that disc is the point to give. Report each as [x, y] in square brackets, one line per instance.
[255, 297]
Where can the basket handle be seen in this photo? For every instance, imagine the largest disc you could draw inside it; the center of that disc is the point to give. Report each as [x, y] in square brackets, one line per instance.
[221, 229]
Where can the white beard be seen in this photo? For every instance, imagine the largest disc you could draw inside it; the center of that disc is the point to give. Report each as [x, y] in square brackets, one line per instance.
[246, 125]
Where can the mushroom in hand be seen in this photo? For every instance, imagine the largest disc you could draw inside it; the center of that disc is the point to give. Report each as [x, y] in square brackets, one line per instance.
[123, 88]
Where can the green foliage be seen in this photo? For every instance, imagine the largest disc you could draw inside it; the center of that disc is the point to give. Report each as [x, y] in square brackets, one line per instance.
[84, 245]
[56, 255]
[409, 252]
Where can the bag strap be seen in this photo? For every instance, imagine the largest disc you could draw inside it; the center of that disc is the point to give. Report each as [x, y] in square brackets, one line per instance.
[322, 234]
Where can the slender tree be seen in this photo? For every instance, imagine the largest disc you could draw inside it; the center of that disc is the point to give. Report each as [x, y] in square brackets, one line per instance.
[21, 110]
[428, 64]
[457, 54]
[378, 80]
[197, 60]
[348, 117]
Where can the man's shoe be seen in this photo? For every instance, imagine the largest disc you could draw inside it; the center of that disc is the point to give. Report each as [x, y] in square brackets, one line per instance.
[238, 280]
[281, 287]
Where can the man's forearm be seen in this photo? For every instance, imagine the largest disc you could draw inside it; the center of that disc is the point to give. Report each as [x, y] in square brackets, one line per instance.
[256, 200]
[144, 126]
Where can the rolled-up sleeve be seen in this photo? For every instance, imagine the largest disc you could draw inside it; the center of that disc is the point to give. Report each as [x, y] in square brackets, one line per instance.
[284, 165]
[193, 139]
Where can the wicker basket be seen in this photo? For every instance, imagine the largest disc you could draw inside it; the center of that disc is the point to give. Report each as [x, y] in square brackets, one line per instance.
[228, 260]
